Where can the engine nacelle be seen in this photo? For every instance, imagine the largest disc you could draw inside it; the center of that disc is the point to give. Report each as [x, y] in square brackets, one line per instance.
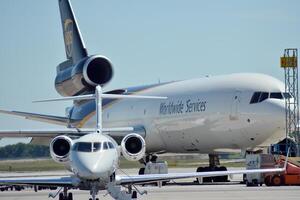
[60, 148]
[72, 79]
[133, 147]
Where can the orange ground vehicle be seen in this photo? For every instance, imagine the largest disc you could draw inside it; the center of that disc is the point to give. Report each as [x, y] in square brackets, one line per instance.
[290, 177]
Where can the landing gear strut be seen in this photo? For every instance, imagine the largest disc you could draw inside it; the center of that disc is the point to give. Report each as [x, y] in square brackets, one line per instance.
[94, 192]
[65, 195]
[214, 162]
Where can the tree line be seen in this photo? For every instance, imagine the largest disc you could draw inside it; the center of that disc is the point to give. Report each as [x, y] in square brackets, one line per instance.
[22, 150]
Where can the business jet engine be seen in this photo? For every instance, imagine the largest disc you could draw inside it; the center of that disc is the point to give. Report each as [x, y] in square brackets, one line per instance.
[73, 79]
[133, 147]
[60, 148]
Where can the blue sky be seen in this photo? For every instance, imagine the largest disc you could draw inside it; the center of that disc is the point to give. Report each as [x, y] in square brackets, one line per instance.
[146, 41]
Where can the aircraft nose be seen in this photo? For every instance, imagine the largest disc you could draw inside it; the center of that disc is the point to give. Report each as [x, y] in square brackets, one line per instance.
[277, 109]
[88, 164]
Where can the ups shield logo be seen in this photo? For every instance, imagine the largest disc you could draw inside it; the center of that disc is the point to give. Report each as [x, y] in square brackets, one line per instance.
[68, 35]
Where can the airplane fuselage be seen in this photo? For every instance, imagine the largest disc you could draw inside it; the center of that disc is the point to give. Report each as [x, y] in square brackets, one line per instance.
[210, 114]
[94, 157]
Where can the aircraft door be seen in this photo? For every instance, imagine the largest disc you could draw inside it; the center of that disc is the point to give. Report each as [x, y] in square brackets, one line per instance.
[235, 105]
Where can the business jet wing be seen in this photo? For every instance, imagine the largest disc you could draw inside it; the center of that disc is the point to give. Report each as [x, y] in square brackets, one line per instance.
[148, 178]
[42, 181]
[39, 117]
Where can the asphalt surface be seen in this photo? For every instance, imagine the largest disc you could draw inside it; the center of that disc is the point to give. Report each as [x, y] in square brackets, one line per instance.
[183, 189]
[206, 192]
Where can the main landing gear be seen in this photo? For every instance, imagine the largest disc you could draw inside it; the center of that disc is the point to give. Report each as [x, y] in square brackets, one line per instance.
[65, 195]
[214, 163]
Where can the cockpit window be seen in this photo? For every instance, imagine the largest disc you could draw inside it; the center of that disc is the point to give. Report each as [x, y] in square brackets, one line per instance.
[287, 95]
[255, 97]
[258, 97]
[84, 147]
[263, 96]
[75, 147]
[111, 146]
[276, 95]
[97, 146]
[105, 145]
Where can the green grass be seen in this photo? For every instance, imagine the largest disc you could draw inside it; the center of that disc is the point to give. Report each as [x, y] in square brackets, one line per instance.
[50, 165]
[32, 165]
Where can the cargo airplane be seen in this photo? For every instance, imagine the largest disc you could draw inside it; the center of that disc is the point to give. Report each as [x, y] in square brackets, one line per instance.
[209, 115]
[93, 159]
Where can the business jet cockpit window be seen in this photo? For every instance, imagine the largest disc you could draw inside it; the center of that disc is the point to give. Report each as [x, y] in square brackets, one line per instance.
[105, 146]
[96, 146]
[111, 145]
[87, 146]
[83, 147]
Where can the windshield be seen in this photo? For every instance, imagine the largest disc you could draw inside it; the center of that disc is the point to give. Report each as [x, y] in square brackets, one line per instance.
[97, 146]
[258, 97]
[82, 147]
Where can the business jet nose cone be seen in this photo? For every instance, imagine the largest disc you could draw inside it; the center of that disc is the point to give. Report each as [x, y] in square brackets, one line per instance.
[91, 169]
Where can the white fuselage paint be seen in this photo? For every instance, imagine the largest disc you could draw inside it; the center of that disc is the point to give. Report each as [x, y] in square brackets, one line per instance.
[211, 114]
[94, 165]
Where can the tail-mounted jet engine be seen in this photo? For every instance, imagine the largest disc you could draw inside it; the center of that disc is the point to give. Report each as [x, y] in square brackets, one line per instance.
[60, 148]
[133, 147]
[73, 79]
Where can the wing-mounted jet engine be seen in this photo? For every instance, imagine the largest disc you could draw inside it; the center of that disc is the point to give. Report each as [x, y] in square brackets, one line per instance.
[133, 147]
[84, 76]
[60, 148]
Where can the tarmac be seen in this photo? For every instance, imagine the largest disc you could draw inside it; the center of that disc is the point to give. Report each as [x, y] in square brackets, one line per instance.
[184, 189]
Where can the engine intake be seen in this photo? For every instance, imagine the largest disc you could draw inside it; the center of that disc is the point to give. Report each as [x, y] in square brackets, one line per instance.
[73, 79]
[133, 147]
[60, 148]
[97, 70]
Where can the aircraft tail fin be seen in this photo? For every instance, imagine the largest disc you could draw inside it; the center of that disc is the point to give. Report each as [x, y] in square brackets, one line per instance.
[74, 44]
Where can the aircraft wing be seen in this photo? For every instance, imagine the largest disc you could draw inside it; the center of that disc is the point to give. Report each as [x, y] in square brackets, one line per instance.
[148, 178]
[41, 133]
[42, 181]
[39, 117]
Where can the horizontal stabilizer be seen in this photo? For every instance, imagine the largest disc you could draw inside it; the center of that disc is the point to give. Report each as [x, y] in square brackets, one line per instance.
[106, 96]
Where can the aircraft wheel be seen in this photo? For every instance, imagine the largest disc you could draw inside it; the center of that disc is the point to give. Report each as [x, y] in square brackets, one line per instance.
[61, 196]
[70, 196]
[268, 181]
[207, 179]
[225, 177]
[134, 195]
[276, 180]
[142, 171]
[199, 169]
